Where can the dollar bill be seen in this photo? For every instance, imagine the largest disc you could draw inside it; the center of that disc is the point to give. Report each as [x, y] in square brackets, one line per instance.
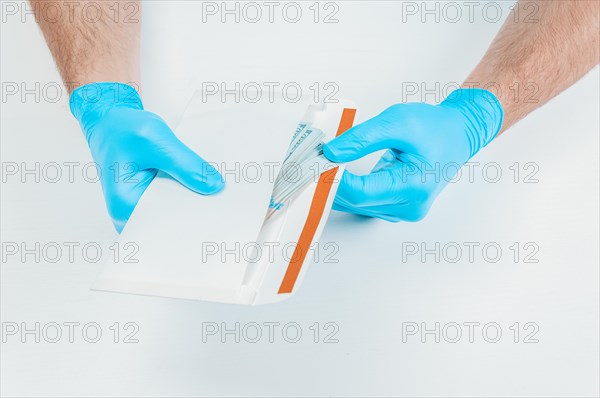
[303, 163]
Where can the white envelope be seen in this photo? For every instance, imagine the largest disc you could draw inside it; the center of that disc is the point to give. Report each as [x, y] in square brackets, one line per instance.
[219, 247]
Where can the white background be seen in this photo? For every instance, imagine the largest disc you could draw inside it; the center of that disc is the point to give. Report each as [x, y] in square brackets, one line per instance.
[370, 292]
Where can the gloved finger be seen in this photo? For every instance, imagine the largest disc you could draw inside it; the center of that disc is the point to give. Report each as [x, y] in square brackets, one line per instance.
[409, 212]
[346, 208]
[387, 160]
[187, 167]
[371, 136]
[123, 194]
[377, 188]
[372, 212]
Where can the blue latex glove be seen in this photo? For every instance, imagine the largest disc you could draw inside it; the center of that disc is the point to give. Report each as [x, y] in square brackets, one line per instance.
[421, 139]
[130, 145]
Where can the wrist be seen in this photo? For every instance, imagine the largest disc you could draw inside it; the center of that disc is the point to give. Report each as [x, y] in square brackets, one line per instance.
[90, 102]
[483, 115]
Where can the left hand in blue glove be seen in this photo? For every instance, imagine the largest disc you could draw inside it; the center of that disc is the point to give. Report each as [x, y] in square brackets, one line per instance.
[130, 145]
[423, 140]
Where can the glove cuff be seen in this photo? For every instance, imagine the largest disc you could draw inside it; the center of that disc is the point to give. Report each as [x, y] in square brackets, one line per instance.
[483, 112]
[90, 102]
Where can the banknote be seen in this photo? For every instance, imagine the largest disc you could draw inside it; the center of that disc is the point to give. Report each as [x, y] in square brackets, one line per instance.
[303, 163]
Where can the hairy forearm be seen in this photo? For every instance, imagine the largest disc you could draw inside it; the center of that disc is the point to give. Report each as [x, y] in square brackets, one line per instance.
[542, 49]
[93, 41]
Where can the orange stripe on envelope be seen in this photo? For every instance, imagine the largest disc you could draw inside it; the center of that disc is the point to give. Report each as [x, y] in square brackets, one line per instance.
[317, 207]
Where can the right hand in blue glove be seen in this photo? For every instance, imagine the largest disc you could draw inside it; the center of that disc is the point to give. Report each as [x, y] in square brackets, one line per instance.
[130, 145]
[427, 145]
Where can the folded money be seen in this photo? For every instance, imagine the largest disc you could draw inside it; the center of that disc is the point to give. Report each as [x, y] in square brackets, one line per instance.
[304, 162]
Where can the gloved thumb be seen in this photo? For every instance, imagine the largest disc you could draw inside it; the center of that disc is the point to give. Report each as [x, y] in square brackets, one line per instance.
[189, 169]
[357, 142]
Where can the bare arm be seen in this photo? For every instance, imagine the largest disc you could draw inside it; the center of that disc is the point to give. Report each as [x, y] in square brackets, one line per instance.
[93, 41]
[542, 49]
